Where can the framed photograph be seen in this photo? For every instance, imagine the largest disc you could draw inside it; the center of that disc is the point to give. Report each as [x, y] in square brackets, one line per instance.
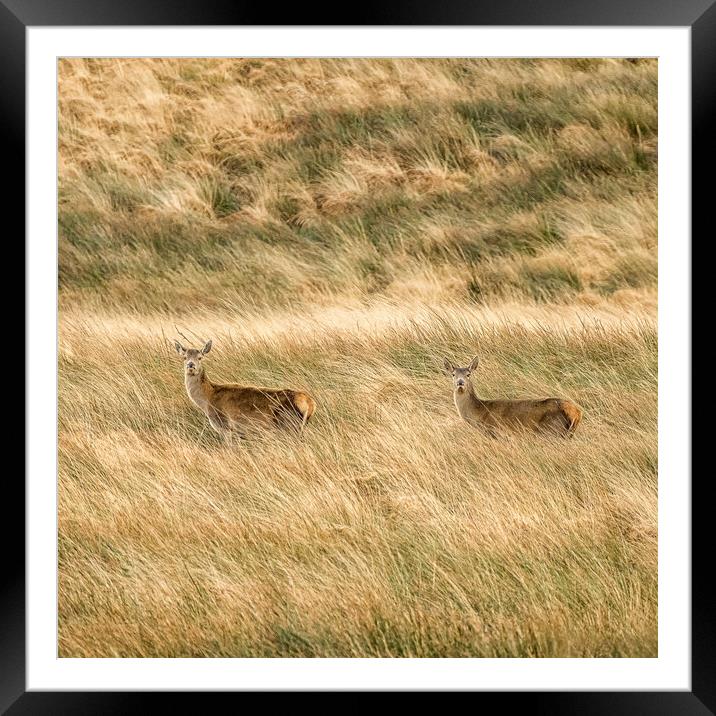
[358, 353]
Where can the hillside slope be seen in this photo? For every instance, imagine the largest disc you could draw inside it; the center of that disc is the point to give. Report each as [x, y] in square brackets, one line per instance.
[277, 181]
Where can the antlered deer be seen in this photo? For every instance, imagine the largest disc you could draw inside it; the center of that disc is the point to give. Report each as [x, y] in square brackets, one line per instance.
[548, 415]
[233, 408]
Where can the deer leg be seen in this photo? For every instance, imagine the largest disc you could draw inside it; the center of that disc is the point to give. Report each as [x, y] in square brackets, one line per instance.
[236, 430]
[215, 421]
[554, 424]
[488, 431]
[221, 425]
[232, 434]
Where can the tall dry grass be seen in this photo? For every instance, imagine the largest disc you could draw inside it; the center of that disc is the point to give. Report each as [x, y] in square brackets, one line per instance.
[299, 180]
[339, 226]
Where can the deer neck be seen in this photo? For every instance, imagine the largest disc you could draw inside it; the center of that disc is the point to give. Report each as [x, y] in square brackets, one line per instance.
[198, 389]
[466, 402]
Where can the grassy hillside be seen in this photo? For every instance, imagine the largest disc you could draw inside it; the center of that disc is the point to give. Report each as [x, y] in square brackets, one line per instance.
[282, 181]
[339, 226]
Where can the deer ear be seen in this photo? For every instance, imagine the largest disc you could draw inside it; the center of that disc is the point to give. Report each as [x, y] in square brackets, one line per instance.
[179, 348]
[448, 366]
[473, 363]
[206, 348]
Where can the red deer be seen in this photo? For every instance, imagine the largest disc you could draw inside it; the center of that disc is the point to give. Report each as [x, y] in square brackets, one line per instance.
[233, 408]
[557, 416]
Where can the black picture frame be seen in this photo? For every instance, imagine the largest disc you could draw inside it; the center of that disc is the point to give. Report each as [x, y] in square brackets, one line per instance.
[699, 15]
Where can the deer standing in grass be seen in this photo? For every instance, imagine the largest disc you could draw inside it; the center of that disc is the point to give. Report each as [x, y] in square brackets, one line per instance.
[233, 408]
[556, 416]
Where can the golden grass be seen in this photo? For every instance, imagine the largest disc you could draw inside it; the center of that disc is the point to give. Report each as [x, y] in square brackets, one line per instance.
[392, 528]
[286, 181]
[339, 226]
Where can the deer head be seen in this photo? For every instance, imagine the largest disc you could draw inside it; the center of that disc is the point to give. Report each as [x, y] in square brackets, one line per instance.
[192, 357]
[460, 376]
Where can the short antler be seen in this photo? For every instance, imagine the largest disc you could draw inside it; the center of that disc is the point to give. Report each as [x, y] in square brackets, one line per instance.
[181, 334]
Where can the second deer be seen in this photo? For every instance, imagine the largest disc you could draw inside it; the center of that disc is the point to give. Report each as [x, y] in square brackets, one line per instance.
[232, 409]
[557, 416]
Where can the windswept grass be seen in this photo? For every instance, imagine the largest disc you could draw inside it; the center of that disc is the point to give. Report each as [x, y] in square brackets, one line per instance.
[285, 181]
[405, 534]
[339, 226]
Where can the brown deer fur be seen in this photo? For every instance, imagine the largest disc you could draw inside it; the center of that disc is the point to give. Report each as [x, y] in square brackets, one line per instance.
[233, 408]
[548, 415]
